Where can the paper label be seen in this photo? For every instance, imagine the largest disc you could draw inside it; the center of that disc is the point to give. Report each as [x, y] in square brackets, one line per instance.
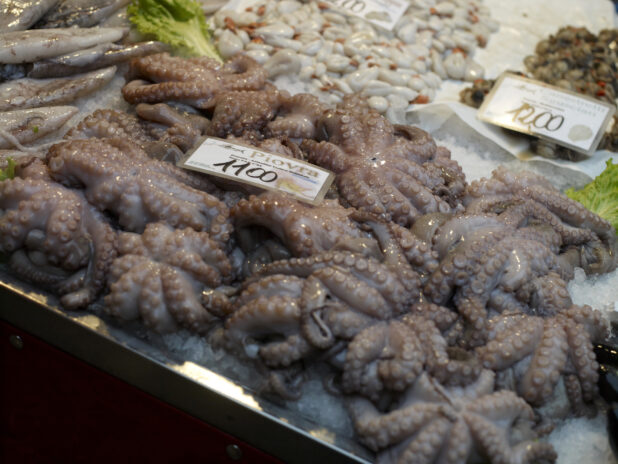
[269, 171]
[382, 13]
[567, 118]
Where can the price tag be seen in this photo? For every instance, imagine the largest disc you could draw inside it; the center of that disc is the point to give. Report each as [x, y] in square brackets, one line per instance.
[248, 165]
[567, 118]
[382, 13]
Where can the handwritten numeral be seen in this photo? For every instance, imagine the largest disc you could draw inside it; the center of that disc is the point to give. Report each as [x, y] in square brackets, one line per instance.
[527, 115]
[254, 173]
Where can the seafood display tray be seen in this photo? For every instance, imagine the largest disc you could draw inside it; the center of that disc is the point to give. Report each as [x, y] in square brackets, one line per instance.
[192, 388]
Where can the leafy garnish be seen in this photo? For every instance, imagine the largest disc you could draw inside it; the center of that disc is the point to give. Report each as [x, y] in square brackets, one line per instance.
[601, 195]
[179, 23]
[9, 171]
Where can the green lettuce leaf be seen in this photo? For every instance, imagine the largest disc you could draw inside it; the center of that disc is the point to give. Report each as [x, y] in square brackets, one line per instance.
[9, 171]
[601, 195]
[179, 23]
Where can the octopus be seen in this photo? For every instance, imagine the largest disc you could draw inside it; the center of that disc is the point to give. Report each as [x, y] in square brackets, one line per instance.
[266, 323]
[54, 237]
[488, 266]
[395, 174]
[594, 236]
[361, 131]
[390, 356]
[434, 423]
[344, 292]
[245, 113]
[532, 354]
[161, 131]
[407, 284]
[194, 81]
[303, 229]
[297, 306]
[119, 177]
[297, 117]
[170, 278]
[501, 272]
[402, 242]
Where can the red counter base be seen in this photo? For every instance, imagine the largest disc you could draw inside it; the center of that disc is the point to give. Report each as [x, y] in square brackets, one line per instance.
[55, 408]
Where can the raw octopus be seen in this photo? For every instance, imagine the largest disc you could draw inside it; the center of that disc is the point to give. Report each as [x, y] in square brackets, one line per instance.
[161, 275]
[54, 237]
[119, 177]
[395, 172]
[193, 81]
[405, 284]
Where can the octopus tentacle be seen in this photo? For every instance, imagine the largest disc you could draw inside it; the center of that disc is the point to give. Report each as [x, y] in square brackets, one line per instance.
[432, 434]
[244, 112]
[373, 427]
[242, 72]
[544, 372]
[297, 117]
[506, 346]
[264, 317]
[382, 356]
[304, 229]
[582, 356]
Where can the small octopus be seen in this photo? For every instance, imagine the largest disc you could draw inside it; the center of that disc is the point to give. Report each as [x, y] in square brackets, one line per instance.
[54, 237]
[389, 356]
[533, 354]
[533, 197]
[345, 292]
[169, 277]
[396, 173]
[305, 230]
[193, 81]
[438, 424]
[119, 177]
[161, 131]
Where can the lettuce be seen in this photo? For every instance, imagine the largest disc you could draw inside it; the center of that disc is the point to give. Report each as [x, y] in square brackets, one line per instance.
[9, 171]
[601, 195]
[179, 23]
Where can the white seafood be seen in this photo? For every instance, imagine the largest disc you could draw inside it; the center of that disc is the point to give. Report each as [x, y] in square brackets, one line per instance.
[335, 54]
[455, 65]
[33, 93]
[81, 13]
[19, 15]
[96, 57]
[37, 44]
[284, 61]
[21, 127]
[211, 6]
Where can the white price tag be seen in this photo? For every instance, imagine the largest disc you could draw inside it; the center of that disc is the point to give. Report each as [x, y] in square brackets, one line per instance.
[567, 118]
[269, 171]
[382, 13]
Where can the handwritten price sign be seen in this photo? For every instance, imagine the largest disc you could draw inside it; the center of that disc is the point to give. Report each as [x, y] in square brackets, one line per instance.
[524, 105]
[382, 13]
[262, 169]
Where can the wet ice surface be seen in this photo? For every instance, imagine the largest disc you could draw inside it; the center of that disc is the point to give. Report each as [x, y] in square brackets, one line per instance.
[581, 440]
[599, 291]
